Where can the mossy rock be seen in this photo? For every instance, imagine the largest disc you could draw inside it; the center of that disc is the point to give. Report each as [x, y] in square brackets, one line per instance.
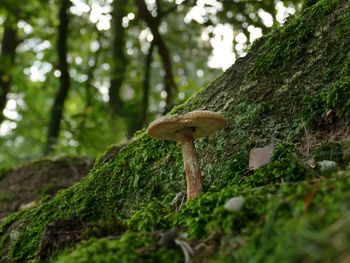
[26, 185]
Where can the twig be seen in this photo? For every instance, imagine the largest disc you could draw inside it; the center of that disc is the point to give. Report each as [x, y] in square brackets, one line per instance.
[186, 250]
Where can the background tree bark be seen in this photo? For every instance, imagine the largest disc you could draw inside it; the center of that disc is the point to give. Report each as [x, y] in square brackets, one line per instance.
[141, 120]
[153, 24]
[119, 60]
[64, 81]
[7, 58]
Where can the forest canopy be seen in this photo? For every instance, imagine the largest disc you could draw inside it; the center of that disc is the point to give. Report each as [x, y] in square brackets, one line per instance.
[79, 75]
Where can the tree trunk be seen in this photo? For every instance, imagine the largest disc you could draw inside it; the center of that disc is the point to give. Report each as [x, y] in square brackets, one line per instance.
[7, 58]
[153, 24]
[141, 120]
[146, 87]
[119, 60]
[64, 81]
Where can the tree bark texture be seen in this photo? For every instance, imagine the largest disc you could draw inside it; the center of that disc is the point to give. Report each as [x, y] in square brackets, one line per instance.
[7, 58]
[119, 60]
[64, 81]
[146, 86]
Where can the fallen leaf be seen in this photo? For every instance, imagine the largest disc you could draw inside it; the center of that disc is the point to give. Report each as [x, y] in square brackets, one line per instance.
[259, 157]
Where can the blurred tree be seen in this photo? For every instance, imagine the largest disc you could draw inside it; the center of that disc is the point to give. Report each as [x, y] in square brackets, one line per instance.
[7, 57]
[145, 90]
[153, 23]
[64, 84]
[119, 61]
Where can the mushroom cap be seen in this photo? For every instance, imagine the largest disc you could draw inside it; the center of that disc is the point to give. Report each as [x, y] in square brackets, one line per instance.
[202, 122]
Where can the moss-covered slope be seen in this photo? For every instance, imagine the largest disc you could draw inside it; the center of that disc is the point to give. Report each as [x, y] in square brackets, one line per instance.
[291, 90]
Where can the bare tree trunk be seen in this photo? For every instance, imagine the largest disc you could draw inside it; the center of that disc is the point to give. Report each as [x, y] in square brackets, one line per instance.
[153, 24]
[142, 118]
[146, 87]
[7, 58]
[64, 81]
[89, 88]
[119, 60]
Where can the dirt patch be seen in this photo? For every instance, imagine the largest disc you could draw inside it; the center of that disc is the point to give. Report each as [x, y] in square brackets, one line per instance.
[60, 234]
[24, 186]
[334, 132]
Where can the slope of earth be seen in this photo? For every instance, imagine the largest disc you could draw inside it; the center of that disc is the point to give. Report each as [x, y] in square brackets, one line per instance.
[26, 185]
[291, 90]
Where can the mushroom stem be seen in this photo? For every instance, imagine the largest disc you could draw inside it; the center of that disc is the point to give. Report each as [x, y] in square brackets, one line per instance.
[192, 170]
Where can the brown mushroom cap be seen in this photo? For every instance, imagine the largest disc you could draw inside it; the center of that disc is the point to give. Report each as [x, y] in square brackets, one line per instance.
[203, 123]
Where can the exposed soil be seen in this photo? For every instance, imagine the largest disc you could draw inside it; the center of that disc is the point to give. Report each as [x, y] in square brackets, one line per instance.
[23, 187]
[335, 132]
[60, 234]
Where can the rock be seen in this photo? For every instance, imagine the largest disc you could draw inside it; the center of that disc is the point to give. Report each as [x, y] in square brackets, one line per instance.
[327, 166]
[29, 205]
[234, 204]
[167, 239]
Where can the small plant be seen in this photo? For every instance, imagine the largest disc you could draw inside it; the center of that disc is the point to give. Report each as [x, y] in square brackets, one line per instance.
[338, 98]
[335, 98]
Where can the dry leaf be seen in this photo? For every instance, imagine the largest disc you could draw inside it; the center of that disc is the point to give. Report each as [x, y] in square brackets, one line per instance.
[259, 157]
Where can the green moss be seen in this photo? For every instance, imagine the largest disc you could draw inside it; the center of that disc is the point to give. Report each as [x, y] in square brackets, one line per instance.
[307, 229]
[277, 56]
[90, 199]
[130, 247]
[152, 216]
[338, 97]
[285, 167]
[293, 39]
[333, 101]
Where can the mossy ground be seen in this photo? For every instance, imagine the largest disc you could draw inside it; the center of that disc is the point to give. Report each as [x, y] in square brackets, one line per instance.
[292, 211]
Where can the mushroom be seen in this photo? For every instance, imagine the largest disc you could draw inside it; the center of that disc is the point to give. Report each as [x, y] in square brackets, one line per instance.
[184, 129]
